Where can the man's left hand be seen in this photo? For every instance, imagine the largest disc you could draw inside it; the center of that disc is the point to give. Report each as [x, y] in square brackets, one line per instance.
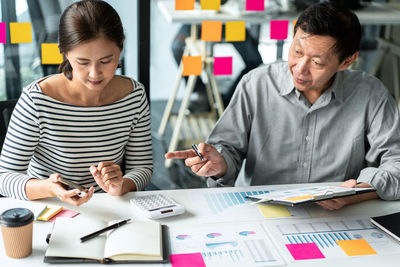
[337, 203]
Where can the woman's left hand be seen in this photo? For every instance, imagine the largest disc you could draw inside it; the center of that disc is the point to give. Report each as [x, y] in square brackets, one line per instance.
[108, 176]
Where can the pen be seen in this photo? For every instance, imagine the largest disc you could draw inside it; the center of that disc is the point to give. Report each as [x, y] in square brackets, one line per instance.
[197, 151]
[113, 226]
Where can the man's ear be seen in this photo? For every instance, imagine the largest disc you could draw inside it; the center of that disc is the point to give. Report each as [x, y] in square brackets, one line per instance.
[348, 61]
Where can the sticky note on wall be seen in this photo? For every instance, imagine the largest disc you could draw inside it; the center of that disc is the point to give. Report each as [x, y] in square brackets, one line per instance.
[20, 32]
[255, 5]
[2, 32]
[222, 65]
[279, 29]
[211, 31]
[210, 4]
[235, 31]
[51, 54]
[191, 65]
[184, 4]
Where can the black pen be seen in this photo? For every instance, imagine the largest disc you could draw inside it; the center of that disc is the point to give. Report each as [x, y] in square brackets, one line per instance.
[113, 226]
[197, 151]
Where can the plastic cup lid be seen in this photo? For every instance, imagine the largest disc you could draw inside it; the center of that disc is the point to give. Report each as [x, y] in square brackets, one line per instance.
[16, 217]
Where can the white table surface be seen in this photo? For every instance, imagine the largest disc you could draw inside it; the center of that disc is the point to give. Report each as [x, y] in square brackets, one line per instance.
[105, 207]
[374, 13]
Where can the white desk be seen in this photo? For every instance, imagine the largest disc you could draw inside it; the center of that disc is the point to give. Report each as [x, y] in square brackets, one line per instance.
[373, 13]
[103, 206]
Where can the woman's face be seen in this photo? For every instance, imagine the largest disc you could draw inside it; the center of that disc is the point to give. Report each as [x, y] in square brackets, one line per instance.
[94, 63]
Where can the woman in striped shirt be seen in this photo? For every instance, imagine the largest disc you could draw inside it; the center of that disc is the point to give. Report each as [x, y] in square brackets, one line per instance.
[82, 124]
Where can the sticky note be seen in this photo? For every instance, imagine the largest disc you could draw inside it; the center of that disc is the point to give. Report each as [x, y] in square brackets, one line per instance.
[356, 247]
[273, 211]
[235, 31]
[20, 32]
[299, 198]
[189, 259]
[222, 65]
[210, 4]
[2, 32]
[211, 31]
[64, 213]
[51, 54]
[305, 251]
[184, 4]
[279, 29]
[255, 5]
[48, 212]
[191, 65]
[294, 25]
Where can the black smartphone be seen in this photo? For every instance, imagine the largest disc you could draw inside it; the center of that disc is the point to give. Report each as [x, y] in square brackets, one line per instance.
[72, 184]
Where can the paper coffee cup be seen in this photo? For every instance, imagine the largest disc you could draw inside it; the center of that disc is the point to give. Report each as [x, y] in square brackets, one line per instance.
[16, 228]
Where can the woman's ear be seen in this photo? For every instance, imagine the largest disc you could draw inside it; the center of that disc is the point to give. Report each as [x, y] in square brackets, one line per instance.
[348, 61]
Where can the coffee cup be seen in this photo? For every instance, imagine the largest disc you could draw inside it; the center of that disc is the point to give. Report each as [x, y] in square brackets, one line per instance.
[16, 228]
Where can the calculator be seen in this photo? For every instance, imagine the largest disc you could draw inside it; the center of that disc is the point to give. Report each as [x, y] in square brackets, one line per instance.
[157, 206]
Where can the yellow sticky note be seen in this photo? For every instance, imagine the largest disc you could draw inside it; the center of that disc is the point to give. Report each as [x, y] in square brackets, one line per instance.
[210, 4]
[48, 212]
[235, 31]
[20, 32]
[184, 4]
[51, 54]
[211, 31]
[299, 198]
[191, 65]
[274, 211]
[356, 247]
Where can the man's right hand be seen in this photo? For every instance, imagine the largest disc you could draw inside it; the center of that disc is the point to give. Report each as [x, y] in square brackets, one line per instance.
[212, 165]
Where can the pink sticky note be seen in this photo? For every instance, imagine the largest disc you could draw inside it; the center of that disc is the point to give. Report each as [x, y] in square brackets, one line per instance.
[255, 5]
[279, 29]
[189, 259]
[222, 65]
[306, 251]
[2, 32]
[64, 213]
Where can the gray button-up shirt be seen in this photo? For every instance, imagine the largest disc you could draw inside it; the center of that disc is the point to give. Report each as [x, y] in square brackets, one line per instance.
[351, 132]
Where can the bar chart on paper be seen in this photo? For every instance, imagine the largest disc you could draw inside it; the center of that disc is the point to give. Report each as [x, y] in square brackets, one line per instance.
[319, 238]
[226, 244]
[218, 206]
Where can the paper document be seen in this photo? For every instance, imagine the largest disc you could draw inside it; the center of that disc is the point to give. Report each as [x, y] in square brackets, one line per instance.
[231, 205]
[239, 244]
[308, 239]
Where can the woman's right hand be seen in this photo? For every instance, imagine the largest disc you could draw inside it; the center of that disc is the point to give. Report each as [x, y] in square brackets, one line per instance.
[68, 196]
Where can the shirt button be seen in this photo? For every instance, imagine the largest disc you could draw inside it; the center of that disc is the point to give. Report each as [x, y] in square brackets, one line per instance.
[305, 164]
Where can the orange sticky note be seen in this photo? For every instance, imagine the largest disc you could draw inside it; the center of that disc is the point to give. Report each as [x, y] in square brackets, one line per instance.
[184, 4]
[235, 31]
[210, 4]
[20, 32]
[294, 25]
[356, 247]
[211, 31]
[51, 54]
[191, 65]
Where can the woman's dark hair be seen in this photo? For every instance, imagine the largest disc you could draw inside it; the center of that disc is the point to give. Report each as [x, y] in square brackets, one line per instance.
[333, 20]
[85, 21]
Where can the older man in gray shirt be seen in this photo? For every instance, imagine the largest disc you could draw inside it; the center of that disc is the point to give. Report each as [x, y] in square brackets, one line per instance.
[309, 119]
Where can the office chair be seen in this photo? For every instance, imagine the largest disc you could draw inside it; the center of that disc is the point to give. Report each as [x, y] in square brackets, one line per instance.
[6, 109]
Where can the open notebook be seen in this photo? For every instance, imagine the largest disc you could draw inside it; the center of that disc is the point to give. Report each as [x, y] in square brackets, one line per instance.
[136, 241]
[309, 194]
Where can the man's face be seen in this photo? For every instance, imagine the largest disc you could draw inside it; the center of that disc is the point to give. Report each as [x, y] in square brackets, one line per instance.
[312, 62]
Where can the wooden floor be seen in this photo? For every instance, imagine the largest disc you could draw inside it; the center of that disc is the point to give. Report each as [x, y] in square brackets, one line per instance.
[178, 176]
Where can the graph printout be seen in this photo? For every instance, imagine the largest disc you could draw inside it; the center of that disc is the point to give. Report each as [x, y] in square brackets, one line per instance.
[330, 238]
[232, 206]
[226, 244]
